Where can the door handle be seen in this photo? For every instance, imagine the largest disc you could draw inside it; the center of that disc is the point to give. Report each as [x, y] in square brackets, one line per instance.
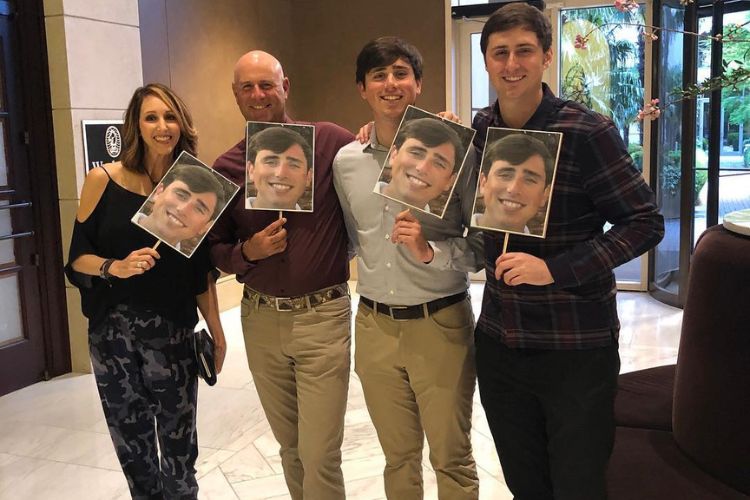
[23, 204]
[16, 236]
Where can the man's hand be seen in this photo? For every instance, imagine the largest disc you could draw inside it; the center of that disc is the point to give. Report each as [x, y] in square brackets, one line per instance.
[448, 115]
[269, 241]
[516, 268]
[407, 231]
[364, 132]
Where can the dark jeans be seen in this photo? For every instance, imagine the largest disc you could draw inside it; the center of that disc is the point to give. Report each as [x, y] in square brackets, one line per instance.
[147, 380]
[551, 416]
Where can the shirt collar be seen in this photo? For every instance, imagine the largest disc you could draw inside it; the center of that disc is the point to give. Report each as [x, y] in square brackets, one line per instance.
[372, 143]
[538, 119]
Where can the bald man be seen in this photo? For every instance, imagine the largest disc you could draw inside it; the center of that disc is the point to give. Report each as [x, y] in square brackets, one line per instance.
[295, 309]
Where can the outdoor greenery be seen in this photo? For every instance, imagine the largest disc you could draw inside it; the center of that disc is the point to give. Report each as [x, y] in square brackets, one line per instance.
[602, 67]
[736, 105]
[636, 152]
[701, 176]
[608, 76]
[670, 172]
[613, 23]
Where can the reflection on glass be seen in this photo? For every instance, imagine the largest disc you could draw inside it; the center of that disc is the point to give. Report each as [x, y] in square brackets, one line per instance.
[607, 77]
[2, 82]
[3, 152]
[7, 255]
[669, 156]
[10, 310]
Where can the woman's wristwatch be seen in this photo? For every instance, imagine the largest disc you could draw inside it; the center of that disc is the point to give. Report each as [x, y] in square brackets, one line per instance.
[104, 269]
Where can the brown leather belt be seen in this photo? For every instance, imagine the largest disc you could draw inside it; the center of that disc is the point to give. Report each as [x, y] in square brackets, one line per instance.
[416, 311]
[298, 302]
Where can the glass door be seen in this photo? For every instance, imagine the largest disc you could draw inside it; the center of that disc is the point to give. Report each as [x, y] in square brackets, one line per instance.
[22, 354]
[609, 76]
[732, 140]
[703, 148]
[667, 273]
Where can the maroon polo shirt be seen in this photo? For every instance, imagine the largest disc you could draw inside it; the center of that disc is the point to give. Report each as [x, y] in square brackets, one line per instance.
[316, 252]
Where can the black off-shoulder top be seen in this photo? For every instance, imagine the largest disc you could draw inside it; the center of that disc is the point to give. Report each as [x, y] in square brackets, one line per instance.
[168, 289]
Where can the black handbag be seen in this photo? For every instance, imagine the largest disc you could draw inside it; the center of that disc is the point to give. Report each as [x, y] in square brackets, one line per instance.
[203, 346]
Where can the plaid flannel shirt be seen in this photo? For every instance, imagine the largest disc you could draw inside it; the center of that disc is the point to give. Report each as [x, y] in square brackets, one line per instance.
[596, 182]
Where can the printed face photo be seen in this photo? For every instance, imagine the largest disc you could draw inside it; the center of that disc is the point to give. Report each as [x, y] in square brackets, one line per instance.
[280, 178]
[179, 213]
[515, 181]
[424, 161]
[513, 194]
[279, 174]
[420, 173]
[185, 204]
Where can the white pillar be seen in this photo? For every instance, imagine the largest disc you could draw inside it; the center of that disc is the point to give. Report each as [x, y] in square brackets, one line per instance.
[94, 54]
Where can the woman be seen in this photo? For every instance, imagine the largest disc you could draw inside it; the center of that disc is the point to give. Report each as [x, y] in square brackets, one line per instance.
[141, 304]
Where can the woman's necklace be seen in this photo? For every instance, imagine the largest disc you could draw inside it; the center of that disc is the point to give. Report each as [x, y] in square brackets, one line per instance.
[151, 179]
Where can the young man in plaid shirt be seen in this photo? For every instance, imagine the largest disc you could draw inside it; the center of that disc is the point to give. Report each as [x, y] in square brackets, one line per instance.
[546, 340]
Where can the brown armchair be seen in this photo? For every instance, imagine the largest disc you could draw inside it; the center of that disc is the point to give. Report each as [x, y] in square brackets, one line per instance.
[703, 451]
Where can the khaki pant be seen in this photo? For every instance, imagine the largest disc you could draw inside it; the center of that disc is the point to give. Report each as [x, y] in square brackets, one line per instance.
[418, 378]
[300, 363]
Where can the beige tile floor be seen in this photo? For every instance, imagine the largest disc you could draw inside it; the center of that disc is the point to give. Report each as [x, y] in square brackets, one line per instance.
[54, 443]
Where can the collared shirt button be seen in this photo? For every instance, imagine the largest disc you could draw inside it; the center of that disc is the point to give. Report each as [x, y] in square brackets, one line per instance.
[387, 236]
[388, 265]
[387, 208]
[391, 292]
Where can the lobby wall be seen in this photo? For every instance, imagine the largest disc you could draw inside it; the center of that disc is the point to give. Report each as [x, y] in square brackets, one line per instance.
[192, 46]
[331, 34]
[94, 65]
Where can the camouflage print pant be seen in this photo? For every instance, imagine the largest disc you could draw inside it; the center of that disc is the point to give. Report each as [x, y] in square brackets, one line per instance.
[147, 381]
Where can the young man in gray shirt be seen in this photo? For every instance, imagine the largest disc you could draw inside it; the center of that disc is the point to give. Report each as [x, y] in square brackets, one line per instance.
[414, 327]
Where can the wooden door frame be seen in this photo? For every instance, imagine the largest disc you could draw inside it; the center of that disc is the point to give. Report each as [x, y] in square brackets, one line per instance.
[37, 107]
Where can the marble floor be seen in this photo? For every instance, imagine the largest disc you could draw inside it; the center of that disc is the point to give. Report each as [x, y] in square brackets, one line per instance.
[54, 443]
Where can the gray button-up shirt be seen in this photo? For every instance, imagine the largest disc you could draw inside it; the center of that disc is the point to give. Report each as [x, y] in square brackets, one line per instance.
[387, 272]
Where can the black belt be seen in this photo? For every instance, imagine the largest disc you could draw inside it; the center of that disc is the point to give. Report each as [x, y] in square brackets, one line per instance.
[416, 311]
[298, 302]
